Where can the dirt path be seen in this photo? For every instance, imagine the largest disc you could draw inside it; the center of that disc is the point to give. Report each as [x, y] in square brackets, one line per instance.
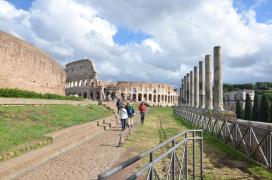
[85, 161]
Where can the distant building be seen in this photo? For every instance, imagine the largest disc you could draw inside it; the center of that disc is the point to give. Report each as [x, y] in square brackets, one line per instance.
[82, 81]
[231, 97]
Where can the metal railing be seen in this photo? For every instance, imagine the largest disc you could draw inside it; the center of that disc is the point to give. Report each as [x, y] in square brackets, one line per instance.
[254, 140]
[168, 160]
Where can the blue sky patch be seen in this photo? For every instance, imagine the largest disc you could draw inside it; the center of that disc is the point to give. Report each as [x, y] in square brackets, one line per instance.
[21, 4]
[124, 36]
[263, 8]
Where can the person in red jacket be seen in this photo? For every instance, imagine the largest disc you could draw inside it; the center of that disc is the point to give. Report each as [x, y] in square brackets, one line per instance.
[142, 109]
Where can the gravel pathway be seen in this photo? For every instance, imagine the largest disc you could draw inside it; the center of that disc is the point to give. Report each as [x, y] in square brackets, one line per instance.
[85, 161]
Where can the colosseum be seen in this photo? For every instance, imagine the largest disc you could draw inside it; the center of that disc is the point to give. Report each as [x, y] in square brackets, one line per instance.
[82, 81]
[26, 67]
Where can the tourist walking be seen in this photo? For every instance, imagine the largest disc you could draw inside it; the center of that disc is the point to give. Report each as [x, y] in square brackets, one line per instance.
[118, 105]
[123, 116]
[130, 112]
[142, 109]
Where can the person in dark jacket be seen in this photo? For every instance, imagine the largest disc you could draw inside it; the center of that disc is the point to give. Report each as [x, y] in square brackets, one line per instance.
[142, 109]
[118, 105]
[130, 112]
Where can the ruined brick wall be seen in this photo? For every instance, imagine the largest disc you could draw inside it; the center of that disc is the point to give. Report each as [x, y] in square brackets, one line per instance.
[26, 67]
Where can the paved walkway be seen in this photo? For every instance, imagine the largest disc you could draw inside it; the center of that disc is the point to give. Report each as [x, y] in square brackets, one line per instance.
[85, 161]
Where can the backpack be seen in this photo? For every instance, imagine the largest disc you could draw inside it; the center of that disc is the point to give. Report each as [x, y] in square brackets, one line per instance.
[130, 110]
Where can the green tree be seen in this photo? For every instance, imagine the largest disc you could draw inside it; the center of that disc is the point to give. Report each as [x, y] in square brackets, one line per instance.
[265, 109]
[239, 109]
[270, 111]
[248, 108]
[256, 109]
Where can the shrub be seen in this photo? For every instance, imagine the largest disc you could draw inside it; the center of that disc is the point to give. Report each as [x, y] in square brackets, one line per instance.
[18, 93]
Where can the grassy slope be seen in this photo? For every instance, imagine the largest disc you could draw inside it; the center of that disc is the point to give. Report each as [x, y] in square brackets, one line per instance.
[21, 125]
[220, 161]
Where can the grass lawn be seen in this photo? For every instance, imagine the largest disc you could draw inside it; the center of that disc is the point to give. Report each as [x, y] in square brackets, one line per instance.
[220, 161]
[22, 128]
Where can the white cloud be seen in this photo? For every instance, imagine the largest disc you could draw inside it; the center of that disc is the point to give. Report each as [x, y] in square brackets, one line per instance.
[182, 33]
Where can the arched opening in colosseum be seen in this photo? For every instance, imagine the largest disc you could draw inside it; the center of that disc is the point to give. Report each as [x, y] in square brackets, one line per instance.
[162, 98]
[85, 83]
[159, 98]
[76, 84]
[80, 83]
[97, 95]
[150, 97]
[165, 98]
[154, 98]
[91, 95]
[168, 99]
[85, 95]
[123, 96]
[134, 97]
[139, 97]
[79, 94]
[72, 84]
[145, 97]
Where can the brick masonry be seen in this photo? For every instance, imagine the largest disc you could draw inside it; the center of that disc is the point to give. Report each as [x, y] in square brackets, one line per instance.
[26, 67]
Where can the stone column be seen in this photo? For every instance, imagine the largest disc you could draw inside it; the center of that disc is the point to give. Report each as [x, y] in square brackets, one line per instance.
[201, 85]
[185, 91]
[208, 83]
[188, 90]
[196, 87]
[218, 84]
[192, 94]
[182, 91]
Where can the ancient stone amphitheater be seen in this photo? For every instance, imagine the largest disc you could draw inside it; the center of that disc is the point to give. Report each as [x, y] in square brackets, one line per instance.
[26, 67]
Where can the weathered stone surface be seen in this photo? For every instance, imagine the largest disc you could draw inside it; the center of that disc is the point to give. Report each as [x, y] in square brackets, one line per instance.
[188, 90]
[192, 94]
[26, 67]
[218, 84]
[208, 83]
[196, 87]
[185, 90]
[201, 85]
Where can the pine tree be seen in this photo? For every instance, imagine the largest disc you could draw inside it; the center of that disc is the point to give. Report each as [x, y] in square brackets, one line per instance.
[239, 109]
[265, 109]
[256, 109]
[248, 108]
[270, 111]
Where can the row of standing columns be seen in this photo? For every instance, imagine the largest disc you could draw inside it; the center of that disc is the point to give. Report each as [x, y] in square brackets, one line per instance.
[197, 91]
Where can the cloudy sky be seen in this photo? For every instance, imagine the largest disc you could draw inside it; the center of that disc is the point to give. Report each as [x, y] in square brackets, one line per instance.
[148, 40]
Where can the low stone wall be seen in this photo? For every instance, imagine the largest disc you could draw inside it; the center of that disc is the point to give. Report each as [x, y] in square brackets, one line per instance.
[26, 101]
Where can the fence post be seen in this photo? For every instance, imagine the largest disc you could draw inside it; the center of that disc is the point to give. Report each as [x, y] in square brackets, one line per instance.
[186, 158]
[269, 140]
[194, 161]
[173, 161]
[151, 176]
[201, 155]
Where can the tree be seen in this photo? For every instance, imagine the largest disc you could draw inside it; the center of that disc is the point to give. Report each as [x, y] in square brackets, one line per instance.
[265, 109]
[239, 109]
[270, 111]
[256, 109]
[248, 108]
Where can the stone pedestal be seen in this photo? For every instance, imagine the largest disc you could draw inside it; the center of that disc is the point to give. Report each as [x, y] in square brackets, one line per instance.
[196, 87]
[201, 86]
[208, 83]
[218, 84]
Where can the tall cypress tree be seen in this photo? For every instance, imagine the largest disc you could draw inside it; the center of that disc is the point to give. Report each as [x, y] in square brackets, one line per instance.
[239, 109]
[248, 108]
[256, 109]
[265, 109]
[270, 111]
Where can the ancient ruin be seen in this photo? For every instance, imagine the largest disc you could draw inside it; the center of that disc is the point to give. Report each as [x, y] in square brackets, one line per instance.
[195, 95]
[82, 81]
[26, 67]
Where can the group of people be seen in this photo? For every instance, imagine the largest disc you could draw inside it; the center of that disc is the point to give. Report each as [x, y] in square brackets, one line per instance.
[127, 112]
